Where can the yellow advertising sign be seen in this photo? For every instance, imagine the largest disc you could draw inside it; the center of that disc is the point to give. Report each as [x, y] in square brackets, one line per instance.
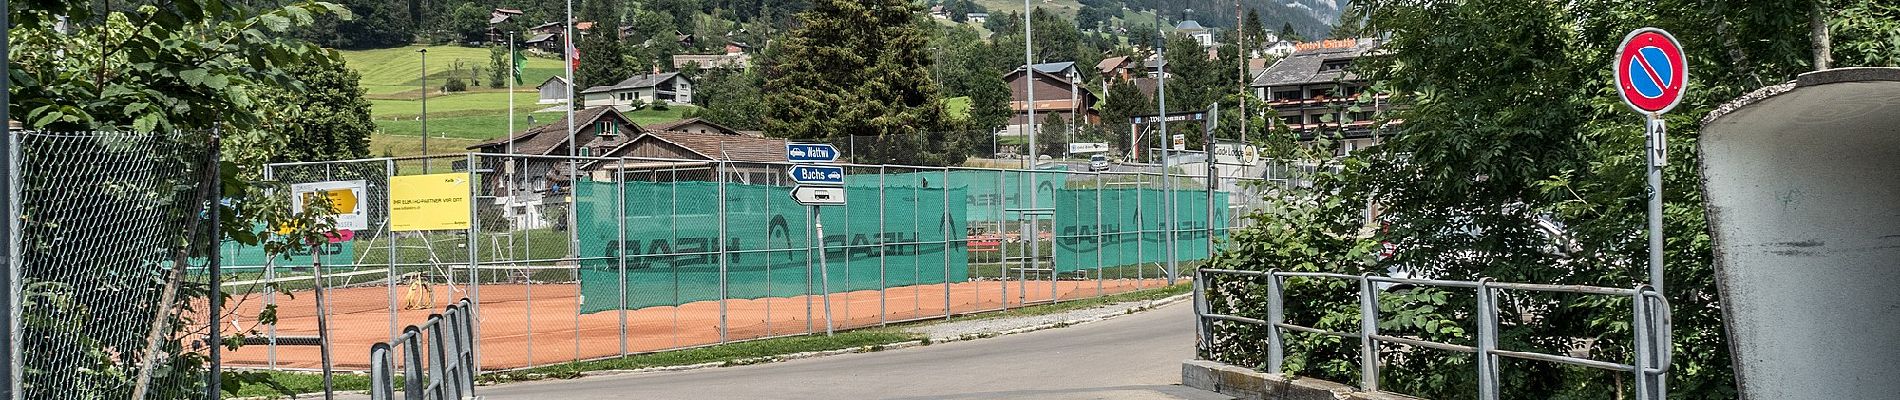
[429, 202]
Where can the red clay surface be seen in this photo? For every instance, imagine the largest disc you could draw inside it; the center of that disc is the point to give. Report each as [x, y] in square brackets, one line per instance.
[532, 325]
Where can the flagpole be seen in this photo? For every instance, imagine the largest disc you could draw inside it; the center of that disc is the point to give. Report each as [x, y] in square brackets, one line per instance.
[514, 74]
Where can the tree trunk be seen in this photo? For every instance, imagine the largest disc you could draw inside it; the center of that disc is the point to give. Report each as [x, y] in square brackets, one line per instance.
[1823, 50]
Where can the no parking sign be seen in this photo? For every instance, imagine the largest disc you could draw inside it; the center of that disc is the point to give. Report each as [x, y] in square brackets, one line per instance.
[1651, 71]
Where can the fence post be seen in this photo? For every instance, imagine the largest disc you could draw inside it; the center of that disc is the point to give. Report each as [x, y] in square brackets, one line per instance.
[724, 326]
[1203, 344]
[465, 338]
[438, 364]
[620, 234]
[1101, 242]
[1002, 235]
[1276, 314]
[883, 251]
[412, 376]
[473, 241]
[1639, 328]
[1487, 313]
[389, 233]
[380, 385]
[1368, 327]
[949, 231]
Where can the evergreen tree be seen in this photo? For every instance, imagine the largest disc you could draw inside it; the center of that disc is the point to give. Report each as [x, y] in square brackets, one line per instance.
[861, 68]
[376, 24]
[1254, 30]
[1054, 137]
[1124, 102]
[601, 60]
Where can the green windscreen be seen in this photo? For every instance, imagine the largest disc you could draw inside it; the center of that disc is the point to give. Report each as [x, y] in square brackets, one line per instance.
[673, 240]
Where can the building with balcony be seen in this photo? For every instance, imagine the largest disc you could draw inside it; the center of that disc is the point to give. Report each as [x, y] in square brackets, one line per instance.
[1313, 90]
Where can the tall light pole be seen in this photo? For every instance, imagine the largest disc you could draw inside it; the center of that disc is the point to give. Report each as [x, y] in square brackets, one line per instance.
[9, 376]
[1029, 87]
[425, 108]
[1167, 140]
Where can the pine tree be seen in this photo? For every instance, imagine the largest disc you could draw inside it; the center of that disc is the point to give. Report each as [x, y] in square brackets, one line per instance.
[601, 59]
[862, 69]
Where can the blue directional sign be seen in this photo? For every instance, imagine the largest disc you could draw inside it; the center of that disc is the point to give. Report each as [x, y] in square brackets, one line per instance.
[817, 175]
[801, 152]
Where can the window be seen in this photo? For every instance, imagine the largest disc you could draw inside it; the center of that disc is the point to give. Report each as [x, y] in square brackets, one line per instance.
[1334, 65]
[1293, 120]
[1319, 92]
[1287, 95]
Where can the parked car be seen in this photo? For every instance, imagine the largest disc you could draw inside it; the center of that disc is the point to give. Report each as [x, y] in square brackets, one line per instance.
[1098, 163]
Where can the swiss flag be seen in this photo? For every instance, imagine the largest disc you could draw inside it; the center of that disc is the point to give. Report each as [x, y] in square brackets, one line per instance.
[573, 55]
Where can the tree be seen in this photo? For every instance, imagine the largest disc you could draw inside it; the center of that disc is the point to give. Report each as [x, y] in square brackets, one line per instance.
[191, 66]
[468, 23]
[1124, 101]
[732, 98]
[861, 69]
[333, 122]
[1476, 166]
[601, 60]
[498, 67]
[1054, 137]
[376, 24]
[1254, 30]
[1287, 33]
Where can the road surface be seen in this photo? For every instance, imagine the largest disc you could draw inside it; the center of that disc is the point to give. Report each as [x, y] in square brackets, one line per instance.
[1130, 357]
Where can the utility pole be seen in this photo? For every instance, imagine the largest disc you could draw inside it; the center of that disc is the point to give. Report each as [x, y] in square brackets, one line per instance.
[1029, 88]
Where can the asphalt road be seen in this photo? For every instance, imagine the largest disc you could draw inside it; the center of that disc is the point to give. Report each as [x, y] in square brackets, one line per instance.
[1130, 357]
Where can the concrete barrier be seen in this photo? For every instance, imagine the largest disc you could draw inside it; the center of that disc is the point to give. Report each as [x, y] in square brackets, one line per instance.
[1803, 187]
[1247, 384]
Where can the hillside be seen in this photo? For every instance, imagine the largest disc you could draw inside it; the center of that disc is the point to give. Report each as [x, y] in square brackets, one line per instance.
[1310, 18]
[397, 72]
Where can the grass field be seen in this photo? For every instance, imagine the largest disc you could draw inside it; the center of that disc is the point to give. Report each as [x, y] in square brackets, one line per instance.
[399, 70]
[1067, 8]
[957, 107]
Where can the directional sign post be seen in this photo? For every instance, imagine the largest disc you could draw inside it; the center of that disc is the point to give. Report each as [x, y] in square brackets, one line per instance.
[818, 186]
[1651, 75]
[817, 175]
[810, 153]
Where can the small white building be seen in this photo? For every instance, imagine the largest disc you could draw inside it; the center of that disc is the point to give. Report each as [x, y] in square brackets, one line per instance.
[1195, 30]
[977, 17]
[640, 90]
[553, 90]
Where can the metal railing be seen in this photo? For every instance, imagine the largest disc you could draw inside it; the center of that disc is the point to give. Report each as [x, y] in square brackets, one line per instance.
[1650, 324]
[449, 355]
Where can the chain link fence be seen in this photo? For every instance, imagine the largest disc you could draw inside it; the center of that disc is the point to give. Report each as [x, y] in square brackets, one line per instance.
[112, 231]
[577, 258]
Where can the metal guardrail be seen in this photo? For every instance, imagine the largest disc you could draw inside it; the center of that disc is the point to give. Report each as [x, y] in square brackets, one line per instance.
[449, 355]
[1650, 323]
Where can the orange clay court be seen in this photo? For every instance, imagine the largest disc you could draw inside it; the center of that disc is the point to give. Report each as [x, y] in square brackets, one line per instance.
[521, 325]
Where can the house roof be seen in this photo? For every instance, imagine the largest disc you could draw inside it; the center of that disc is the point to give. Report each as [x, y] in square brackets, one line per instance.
[1109, 65]
[539, 38]
[1190, 25]
[1087, 96]
[634, 82]
[674, 126]
[715, 147]
[552, 79]
[708, 61]
[1054, 67]
[542, 26]
[541, 140]
[1303, 67]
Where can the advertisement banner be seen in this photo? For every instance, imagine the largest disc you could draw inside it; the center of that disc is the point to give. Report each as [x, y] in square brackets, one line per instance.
[346, 200]
[429, 202]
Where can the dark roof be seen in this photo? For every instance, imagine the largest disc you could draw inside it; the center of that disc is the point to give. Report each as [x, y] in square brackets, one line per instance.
[1060, 80]
[539, 38]
[541, 140]
[1053, 67]
[635, 82]
[1190, 25]
[673, 126]
[714, 147]
[1303, 67]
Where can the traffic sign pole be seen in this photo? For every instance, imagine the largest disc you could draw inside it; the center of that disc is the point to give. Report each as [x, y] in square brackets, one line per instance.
[1651, 75]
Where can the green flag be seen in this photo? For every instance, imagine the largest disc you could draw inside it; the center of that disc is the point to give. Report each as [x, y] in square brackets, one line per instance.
[521, 62]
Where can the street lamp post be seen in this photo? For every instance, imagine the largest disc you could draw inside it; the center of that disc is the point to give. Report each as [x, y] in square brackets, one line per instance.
[425, 109]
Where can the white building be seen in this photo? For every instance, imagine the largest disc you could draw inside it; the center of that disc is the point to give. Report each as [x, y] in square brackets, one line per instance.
[640, 90]
[1195, 30]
